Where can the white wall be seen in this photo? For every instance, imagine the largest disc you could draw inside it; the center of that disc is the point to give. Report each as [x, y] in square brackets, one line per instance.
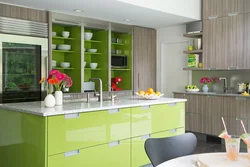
[186, 8]
[171, 60]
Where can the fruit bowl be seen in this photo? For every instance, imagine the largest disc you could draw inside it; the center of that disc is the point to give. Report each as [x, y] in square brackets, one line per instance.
[149, 97]
[192, 90]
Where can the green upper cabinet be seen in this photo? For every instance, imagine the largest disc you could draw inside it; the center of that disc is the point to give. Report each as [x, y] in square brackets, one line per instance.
[73, 56]
[99, 41]
[121, 45]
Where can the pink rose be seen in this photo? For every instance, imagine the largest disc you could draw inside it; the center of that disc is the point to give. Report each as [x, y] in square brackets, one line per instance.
[68, 81]
[54, 72]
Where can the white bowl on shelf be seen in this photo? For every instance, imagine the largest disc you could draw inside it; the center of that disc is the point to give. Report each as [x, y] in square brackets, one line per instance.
[88, 35]
[84, 64]
[192, 90]
[53, 46]
[65, 34]
[53, 63]
[92, 50]
[93, 65]
[53, 34]
[65, 64]
[64, 47]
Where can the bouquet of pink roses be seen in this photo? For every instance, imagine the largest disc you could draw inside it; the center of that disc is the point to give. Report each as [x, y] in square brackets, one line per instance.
[205, 80]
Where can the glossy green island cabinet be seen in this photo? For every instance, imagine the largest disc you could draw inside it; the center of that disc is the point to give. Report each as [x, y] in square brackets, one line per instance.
[107, 138]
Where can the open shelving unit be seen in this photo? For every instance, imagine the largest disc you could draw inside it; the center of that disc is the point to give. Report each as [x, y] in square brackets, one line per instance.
[99, 41]
[199, 52]
[73, 56]
[126, 50]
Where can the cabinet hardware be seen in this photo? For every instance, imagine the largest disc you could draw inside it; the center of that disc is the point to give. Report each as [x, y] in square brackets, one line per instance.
[145, 137]
[113, 144]
[112, 111]
[71, 116]
[211, 68]
[71, 153]
[172, 104]
[241, 98]
[145, 107]
[173, 131]
[212, 17]
[233, 14]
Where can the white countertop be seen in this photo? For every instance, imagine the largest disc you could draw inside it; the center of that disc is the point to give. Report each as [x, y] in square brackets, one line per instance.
[38, 108]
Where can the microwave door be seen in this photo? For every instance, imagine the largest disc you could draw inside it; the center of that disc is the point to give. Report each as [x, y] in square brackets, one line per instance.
[23, 63]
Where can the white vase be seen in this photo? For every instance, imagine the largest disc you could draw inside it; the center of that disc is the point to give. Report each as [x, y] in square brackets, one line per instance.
[49, 101]
[59, 97]
[205, 88]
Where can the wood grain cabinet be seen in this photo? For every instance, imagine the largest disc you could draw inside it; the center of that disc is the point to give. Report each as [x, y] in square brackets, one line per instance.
[246, 6]
[212, 9]
[247, 40]
[232, 7]
[144, 46]
[223, 40]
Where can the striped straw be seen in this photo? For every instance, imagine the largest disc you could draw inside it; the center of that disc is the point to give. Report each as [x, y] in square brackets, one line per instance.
[224, 124]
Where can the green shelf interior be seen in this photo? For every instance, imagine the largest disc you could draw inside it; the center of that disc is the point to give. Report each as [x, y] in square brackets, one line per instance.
[73, 56]
[90, 53]
[99, 42]
[126, 48]
[57, 37]
[63, 51]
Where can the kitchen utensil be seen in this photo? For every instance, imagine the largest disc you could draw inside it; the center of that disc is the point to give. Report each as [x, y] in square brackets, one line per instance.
[53, 46]
[64, 47]
[89, 86]
[93, 65]
[65, 64]
[92, 50]
[197, 44]
[65, 34]
[88, 35]
[54, 34]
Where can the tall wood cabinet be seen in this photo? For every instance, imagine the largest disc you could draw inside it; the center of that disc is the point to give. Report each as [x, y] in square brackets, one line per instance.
[144, 62]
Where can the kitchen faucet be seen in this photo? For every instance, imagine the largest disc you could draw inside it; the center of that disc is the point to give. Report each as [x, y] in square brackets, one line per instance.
[225, 84]
[99, 95]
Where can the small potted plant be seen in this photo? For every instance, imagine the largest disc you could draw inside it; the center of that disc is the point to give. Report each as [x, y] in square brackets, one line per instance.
[205, 81]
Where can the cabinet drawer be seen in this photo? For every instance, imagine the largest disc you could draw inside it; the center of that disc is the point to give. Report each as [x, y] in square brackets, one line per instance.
[76, 131]
[139, 156]
[156, 118]
[107, 155]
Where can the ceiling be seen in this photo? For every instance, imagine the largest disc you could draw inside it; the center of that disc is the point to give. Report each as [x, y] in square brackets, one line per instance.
[110, 10]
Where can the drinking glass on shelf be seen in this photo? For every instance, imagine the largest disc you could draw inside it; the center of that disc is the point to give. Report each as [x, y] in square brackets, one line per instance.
[233, 147]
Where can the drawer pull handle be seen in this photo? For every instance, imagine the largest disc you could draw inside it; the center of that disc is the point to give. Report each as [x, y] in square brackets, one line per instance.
[172, 104]
[233, 14]
[71, 116]
[212, 17]
[173, 131]
[145, 137]
[71, 153]
[145, 107]
[112, 111]
[113, 144]
[241, 98]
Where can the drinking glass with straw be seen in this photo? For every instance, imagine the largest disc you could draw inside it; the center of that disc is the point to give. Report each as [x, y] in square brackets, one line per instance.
[245, 137]
[232, 144]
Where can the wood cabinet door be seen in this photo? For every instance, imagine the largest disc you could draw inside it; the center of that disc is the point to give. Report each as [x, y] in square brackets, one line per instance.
[232, 7]
[246, 6]
[212, 8]
[214, 53]
[247, 41]
[144, 58]
[233, 26]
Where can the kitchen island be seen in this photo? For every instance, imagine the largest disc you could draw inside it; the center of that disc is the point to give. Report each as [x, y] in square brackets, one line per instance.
[86, 134]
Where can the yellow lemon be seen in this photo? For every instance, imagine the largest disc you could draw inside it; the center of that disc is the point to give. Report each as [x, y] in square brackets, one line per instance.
[141, 92]
[158, 93]
[150, 90]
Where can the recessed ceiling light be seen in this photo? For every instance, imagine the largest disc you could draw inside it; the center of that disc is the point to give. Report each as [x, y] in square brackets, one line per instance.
[78, 10]
[127, 20]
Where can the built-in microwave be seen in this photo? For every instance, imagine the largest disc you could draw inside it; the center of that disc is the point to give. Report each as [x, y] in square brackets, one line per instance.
[119, 61]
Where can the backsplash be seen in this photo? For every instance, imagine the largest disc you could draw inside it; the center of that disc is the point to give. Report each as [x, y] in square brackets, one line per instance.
[233, 77]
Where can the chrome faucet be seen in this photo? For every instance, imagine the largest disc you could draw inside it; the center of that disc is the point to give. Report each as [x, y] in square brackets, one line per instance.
[111, 95]
[99, 95]
[225, 88]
